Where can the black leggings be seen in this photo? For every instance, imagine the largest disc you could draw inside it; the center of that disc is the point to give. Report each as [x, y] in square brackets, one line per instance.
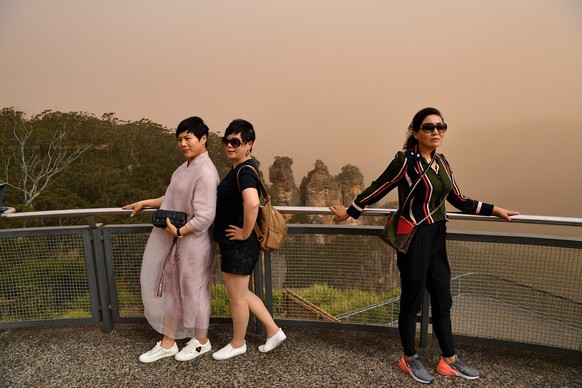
[426, 265]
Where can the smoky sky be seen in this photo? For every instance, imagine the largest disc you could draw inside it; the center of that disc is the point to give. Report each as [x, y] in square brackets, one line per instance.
[337, 81]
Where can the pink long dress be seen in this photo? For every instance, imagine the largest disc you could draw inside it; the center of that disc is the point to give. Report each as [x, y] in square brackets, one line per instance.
[183, 310]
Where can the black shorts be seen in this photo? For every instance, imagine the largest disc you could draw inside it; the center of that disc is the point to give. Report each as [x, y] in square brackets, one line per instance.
[239, 257]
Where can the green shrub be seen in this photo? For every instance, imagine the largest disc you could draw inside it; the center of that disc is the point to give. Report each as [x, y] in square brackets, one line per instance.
[338, 301]
[219, 303]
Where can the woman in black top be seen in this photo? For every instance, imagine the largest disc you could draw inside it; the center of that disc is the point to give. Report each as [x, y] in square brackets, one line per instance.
[426, 263]
[236, 214]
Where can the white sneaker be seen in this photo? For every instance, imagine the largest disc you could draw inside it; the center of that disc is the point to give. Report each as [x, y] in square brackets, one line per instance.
[158, 352]
[273, 342]
[228, 351]
[192, 350]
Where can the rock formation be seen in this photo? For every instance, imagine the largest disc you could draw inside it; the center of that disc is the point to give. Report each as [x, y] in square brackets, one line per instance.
[351, 183]
[318, 189]
[283, 190]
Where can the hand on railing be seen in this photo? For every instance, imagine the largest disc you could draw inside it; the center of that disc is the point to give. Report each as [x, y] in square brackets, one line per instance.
[134, 207]
[340, 212]
[504, 213]
[146, 203]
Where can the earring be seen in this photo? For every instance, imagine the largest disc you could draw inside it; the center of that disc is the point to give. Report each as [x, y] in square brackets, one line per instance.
[248, 153]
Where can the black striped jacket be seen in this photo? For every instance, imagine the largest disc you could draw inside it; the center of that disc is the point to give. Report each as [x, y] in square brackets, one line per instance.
[402, 172]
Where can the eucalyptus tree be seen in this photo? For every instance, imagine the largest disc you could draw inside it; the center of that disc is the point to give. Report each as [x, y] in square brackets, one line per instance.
[39, 150]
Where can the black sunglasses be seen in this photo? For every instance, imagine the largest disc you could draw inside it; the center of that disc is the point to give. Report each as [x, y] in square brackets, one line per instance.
[234, 142]
[429, 127]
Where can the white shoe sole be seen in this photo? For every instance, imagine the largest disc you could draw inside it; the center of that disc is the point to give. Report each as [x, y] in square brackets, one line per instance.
[153, 359]
[229, 352]
[273, 342]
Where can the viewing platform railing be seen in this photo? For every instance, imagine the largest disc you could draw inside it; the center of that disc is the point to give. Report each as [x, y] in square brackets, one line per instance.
[517, 290]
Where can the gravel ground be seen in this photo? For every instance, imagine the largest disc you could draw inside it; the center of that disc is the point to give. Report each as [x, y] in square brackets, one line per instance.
[83, 356]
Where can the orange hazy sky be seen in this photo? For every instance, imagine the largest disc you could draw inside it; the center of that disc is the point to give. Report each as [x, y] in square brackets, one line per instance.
[332, 80]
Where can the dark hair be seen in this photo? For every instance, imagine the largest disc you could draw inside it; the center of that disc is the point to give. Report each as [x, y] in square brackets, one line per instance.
[415, 125]
[246, 130]
[194, 125]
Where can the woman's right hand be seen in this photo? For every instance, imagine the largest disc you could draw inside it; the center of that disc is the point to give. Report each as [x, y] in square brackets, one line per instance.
[340, 212]
[136, 207]
[235, 233]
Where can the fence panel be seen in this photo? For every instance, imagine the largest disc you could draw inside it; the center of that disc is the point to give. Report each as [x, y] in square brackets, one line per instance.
[47, 276]
[517, 289]
[520, 289]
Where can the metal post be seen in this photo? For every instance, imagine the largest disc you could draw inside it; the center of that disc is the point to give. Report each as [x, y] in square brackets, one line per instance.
[268, 282]
[99, 255]
[258, 277]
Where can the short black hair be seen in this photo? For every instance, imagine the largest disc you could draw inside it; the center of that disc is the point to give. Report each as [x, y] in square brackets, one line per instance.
[194, 125]
[246, 130]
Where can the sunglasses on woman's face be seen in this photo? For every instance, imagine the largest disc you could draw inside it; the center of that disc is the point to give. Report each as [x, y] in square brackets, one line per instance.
[234, 142]
[429, 127]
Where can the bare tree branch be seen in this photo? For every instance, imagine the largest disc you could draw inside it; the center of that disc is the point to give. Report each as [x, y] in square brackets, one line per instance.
[37, 170]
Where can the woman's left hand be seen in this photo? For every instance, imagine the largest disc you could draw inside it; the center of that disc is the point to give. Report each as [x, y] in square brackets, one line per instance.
[235, 233]
[340, 212]
[504, 213]
[170, 228]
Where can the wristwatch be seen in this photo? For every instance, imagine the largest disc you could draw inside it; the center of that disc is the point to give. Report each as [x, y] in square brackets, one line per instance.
[178, 232]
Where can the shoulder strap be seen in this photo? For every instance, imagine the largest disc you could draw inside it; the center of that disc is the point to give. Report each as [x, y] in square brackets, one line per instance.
[263, 189]
[401, 207]
[445, 163]
[432, 212]
[256, 228]
[445, 198]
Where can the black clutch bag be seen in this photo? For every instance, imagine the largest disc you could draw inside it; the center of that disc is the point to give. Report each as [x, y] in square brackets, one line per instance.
[178, 219]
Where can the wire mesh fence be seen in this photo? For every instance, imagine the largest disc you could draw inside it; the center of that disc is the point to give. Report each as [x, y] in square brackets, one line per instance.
[126, 254]
[504, 290]
[336, 278]
[517, 292]
[44, 277]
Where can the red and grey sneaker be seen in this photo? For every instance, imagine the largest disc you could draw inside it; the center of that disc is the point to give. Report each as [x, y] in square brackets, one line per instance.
[457, 368]
[415, 369]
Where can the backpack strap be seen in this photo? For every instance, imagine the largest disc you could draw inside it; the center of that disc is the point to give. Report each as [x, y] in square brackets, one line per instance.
[263, 189]
[256, 228]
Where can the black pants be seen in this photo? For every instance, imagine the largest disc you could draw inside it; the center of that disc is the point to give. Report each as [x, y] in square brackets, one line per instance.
[426, 265]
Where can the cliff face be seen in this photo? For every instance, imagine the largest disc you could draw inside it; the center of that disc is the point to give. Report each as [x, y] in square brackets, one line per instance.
[318, 189]
[351, 183]
[283, 189]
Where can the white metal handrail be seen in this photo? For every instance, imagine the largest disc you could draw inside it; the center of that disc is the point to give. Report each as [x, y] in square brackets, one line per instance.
[67, 213]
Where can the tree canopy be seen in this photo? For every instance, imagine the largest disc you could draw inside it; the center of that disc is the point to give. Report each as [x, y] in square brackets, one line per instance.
[102, 162]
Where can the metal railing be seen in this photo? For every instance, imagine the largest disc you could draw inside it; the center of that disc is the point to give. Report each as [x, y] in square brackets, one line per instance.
[519, 290]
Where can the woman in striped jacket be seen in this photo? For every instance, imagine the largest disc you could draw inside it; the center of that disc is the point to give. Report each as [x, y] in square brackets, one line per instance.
[426, 263]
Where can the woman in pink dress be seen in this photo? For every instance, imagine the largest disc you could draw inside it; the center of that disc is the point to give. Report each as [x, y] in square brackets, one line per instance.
[183, 308]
